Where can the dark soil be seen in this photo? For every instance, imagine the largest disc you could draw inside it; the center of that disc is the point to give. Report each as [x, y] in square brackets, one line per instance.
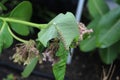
[83, 67]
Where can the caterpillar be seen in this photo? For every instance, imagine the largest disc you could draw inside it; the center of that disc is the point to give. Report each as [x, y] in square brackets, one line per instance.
[61, 36]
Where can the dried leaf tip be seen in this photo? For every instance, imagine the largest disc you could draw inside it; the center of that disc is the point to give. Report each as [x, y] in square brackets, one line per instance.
[25, 52]
[83, 30]
[49, 53]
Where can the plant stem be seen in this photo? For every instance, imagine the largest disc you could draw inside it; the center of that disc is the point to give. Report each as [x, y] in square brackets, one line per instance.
[39, 26]
[17, 38]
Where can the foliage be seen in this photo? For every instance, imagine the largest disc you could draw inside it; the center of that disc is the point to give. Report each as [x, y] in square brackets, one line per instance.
[58, 28]
[118, 1]
[21, 12]
[53, 43]
[9, 77]
[5, 38]
[29, 68]
[106, 28]
[95, 9]
[59, 68]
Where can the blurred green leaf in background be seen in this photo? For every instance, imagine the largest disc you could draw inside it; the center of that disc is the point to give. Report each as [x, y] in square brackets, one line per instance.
[106, 27]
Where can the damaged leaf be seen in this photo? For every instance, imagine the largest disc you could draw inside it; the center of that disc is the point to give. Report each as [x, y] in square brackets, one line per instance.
[49, 54]
[25, 52]
[63, 26]
[59, 68]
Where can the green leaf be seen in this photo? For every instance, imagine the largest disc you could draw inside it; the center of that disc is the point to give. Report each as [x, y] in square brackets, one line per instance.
[60, 67]
[108, 30]
[1, 47]
[9, 77]
[6, 39]
[63, 26]
[47, 34]
[89, 44]
[118, 1]
[108, 55]
[23, 11]
[29, 68]
[3, 1]
[97, 8]
[3, 7]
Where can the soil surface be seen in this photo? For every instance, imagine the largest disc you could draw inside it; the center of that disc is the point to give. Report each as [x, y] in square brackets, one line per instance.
[83, 67]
